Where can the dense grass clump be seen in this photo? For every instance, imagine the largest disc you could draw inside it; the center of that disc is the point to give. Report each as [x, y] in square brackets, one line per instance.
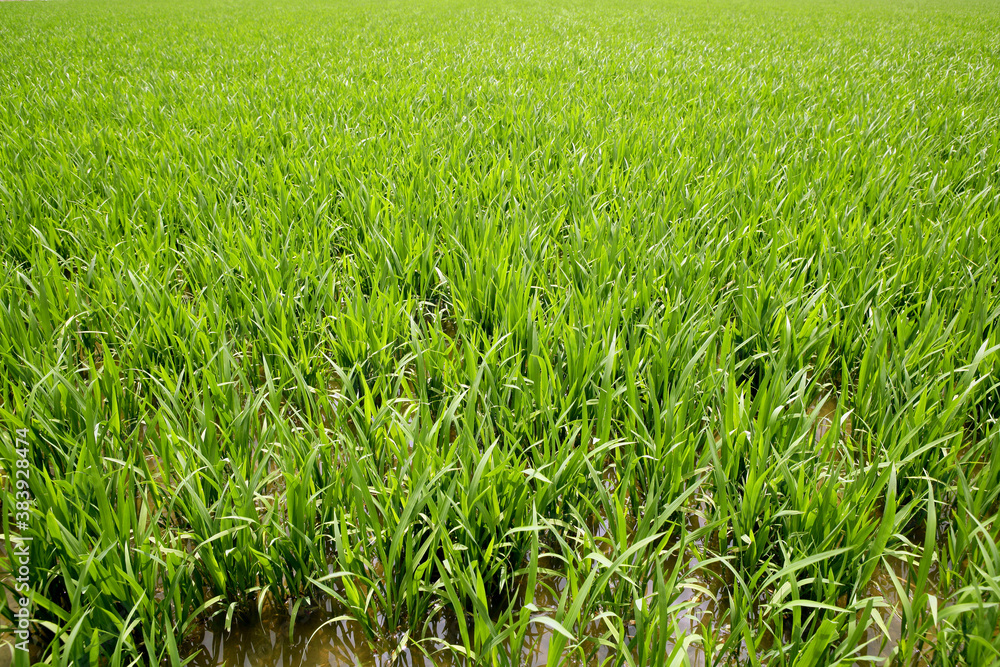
[658, 329]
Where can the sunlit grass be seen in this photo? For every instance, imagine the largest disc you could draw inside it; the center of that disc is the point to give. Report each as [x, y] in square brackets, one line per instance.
[668, 328]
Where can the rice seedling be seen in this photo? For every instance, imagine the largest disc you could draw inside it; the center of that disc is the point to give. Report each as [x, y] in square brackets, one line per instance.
[472, 333]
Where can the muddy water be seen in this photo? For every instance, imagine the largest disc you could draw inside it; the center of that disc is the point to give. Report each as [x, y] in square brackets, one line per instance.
[268, 643]
[827, 414]
[324, 638]
[318, 642]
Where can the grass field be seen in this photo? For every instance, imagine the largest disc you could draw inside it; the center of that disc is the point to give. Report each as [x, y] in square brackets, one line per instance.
[494, 333]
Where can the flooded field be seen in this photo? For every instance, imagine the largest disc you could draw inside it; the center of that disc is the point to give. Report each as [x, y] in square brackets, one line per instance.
[596, 333]
[325, 635]
[324, 638]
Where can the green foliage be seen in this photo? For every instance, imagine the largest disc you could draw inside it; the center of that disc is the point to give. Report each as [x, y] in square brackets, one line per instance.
[658, 329]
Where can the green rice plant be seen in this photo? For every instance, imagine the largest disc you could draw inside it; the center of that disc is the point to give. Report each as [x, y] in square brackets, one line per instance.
[574, 332]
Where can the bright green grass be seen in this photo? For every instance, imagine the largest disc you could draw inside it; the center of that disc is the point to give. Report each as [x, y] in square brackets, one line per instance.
[426, 304]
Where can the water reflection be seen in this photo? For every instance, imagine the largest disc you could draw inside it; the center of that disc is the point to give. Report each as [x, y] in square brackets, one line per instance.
[314, 641]
[326, 638]
[827, 407]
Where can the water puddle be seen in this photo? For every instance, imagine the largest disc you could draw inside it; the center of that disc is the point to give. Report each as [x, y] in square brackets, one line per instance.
[827, 407]
[320, 641]
[325, 636]
[268, 643]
